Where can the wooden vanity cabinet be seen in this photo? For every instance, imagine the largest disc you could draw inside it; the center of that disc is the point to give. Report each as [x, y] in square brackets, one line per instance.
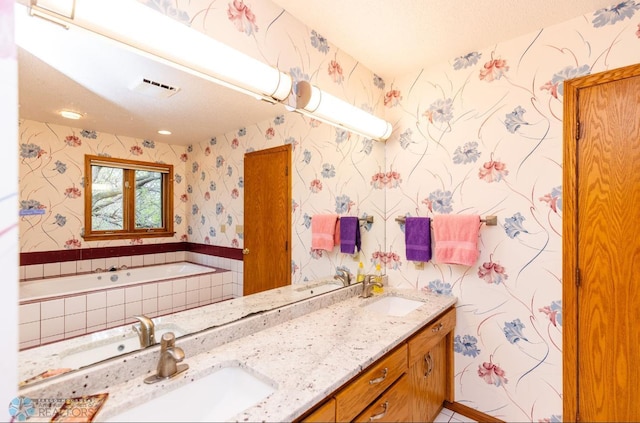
[431, 367]
[392, 406]
[325, 413]
[408, 384]
[361, 392]
[381, 390]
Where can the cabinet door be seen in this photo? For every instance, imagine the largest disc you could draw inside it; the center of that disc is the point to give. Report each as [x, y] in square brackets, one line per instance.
[394, 405]
[430, 335]
[325, 413]
[428, 382]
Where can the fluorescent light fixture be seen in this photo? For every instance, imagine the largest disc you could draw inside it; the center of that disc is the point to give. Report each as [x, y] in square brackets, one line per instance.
[314, 102]
[151, 32]
[164, 132]
[57, 11]
[70, 115]
[61, 8]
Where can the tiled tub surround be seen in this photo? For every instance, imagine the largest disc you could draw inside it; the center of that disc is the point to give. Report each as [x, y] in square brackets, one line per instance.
[69, 315]
[233, 265]
[76, 267]
[101, 279]
[307, 350]
[205, 255]
[61, 263]
[34, 361]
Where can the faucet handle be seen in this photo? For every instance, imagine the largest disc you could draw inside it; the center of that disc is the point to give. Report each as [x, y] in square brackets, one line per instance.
[168, 345]
[368, 284]
[170, 355]
[168, 340]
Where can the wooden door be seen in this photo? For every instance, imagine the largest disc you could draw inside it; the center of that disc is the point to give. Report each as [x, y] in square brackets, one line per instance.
[267, 219]
[601, 283]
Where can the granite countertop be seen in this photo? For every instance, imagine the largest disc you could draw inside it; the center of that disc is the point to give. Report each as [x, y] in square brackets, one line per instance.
[306, 358]
[305, 350]
[34, 361]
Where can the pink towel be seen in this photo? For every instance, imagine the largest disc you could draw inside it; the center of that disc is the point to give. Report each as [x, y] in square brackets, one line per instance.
[323, 231]
[456, 238]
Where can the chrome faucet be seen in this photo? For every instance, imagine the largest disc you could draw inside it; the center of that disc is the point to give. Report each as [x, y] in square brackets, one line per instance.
[343, 276]
[170, 355]
[368, 284]
[146, 331]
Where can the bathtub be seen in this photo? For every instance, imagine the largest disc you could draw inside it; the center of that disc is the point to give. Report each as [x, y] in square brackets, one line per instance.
[65, 286]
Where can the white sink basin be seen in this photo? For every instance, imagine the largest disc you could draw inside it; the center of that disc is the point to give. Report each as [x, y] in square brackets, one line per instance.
[213, 398]
[394, 306]
[103, 349]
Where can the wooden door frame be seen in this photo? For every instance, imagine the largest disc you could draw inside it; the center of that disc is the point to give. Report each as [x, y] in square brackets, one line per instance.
[570, 230]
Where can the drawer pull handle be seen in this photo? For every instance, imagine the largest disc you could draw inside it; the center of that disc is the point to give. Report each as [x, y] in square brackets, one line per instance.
[385, 407]
[379, 379]
[428, 361]
[437, 328]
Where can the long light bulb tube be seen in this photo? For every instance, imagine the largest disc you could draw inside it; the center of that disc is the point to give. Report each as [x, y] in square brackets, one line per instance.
[320, 105]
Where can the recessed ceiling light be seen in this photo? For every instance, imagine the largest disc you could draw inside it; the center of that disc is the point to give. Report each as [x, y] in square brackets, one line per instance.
[164, 132]
[70, 115]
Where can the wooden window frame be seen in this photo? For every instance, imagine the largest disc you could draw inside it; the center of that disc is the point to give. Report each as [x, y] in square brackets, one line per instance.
[129, 231]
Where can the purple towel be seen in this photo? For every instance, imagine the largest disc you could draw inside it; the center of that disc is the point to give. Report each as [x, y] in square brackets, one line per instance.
[417, 238]
[349, 235]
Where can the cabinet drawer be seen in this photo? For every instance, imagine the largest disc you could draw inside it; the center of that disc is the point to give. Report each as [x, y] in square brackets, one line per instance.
[358, 394]
[393, 406]
[430, 335]
[325, 413]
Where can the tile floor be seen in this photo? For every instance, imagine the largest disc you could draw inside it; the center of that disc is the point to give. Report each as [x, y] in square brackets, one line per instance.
[448, 416]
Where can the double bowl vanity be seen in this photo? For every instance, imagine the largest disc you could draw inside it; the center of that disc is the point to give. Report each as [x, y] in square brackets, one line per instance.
[335, 356]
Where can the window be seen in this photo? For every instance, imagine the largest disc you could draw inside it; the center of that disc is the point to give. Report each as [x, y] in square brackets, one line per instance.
[127, 199]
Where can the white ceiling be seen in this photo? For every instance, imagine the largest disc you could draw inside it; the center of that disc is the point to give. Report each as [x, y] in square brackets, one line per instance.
[392, 38]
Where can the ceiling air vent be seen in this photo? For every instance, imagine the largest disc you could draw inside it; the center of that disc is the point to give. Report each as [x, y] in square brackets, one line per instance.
[153, 88]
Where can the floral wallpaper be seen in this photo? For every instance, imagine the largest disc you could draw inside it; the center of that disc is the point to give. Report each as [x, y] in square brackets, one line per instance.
[333, 171]
[482, 134]
[51, 196]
